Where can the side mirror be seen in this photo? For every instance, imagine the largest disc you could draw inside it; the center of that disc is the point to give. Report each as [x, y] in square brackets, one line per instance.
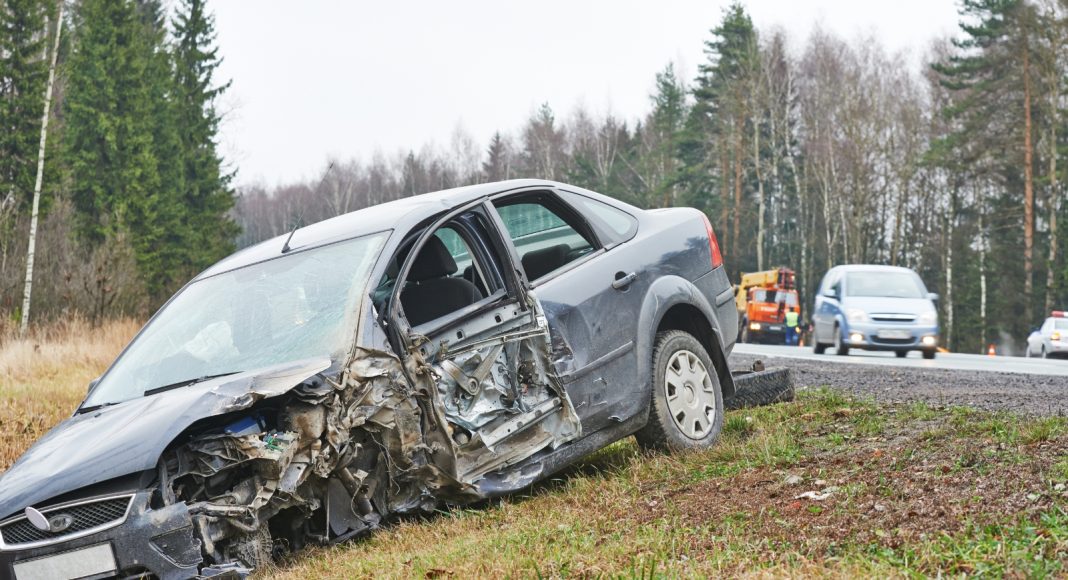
[933, 297]
[92, 384]
[830, 293]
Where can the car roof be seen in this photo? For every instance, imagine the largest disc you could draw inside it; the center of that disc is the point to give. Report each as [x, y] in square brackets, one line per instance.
[377, 218]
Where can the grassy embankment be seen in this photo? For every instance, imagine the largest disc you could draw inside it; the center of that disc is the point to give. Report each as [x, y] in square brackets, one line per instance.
[913, 490]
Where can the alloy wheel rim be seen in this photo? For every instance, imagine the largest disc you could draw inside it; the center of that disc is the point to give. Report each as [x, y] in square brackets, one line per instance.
[691, 396]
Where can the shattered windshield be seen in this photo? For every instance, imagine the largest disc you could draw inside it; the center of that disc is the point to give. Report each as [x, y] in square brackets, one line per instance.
[298, 306]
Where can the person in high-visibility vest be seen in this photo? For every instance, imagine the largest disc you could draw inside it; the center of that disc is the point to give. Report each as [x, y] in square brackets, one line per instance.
[791, 327]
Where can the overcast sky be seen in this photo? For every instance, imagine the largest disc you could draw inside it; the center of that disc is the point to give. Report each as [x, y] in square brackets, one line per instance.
[321, 78]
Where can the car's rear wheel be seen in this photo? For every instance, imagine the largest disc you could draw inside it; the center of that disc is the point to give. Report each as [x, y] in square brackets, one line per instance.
[901, 353]
[686, 410]
[840, 347]
[1044, 353]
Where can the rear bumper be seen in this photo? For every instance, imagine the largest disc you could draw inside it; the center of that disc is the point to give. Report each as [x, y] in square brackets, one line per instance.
[157, 542]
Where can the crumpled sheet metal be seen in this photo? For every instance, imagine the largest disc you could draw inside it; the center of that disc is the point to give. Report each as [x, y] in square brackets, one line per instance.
[214, 453]
[135, 434]
[401, 406]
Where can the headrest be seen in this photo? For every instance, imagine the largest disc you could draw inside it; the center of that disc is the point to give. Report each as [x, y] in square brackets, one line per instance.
[538, 263]
[433, 261]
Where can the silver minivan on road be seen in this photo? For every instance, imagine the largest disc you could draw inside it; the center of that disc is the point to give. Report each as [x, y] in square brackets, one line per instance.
[874, 308]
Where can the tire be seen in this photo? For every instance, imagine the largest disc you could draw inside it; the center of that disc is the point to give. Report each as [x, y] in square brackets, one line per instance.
[691, 366]
[901, 353]
[840, 347]
[1044, 353]
[1027, 352]
[743, 332]
[929, 354]
[817, 346]
[761, 388]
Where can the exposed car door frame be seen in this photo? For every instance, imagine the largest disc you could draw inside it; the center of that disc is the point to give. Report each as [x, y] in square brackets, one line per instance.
[397, 323]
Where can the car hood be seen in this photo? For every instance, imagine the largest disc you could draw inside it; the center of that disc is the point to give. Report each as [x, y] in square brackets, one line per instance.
[129, 437]
[885, 305]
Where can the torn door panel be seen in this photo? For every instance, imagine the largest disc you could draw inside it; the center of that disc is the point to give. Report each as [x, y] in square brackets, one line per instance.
[498, 391]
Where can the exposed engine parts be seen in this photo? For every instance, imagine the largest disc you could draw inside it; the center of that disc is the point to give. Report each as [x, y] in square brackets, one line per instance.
[330, 459]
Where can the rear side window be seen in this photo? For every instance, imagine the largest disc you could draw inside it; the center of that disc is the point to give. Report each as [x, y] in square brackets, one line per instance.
[617, 224]
[543, 238]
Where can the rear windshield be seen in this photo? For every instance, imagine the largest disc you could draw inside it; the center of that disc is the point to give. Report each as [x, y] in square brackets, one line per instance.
[884, 285]
[1060, 323]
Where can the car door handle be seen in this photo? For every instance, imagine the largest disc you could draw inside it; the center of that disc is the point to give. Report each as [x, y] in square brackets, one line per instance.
[623, 280]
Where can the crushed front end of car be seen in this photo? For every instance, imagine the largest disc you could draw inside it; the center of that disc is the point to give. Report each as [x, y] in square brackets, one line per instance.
[215, 478]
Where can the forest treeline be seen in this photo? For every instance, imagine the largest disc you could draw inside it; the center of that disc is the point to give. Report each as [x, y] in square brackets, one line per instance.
[803, 152]
[836, 152]
[135, 198]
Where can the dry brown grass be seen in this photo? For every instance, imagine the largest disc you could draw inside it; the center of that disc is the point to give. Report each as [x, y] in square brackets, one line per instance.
[43, 377]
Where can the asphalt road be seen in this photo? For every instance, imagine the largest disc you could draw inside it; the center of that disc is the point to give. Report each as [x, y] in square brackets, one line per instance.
[947, 361]
[1030, 386]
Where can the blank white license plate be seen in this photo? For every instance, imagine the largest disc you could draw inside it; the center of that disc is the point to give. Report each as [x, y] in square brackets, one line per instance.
[775, 328]
[98, 559]
[894, 334]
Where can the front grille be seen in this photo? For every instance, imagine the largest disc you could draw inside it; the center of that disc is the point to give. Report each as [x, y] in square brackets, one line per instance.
[893, 341]
[880, 317]
[84, 516]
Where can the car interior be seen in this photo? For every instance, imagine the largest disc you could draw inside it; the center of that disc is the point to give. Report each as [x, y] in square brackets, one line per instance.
[451, 270]
[432, 289]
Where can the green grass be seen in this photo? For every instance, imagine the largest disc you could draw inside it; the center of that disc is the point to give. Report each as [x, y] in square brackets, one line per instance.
[916, 491]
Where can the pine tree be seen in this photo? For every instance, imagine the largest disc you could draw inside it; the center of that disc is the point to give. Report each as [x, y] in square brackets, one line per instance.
[498, 163]
[714, 147]
[176, 250]
[666, 122]
[993, 81]
[110, 136]
[207, 196]
[23, 72]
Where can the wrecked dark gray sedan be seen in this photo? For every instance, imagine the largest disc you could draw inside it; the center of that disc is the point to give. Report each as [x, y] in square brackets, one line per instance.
[428, 352]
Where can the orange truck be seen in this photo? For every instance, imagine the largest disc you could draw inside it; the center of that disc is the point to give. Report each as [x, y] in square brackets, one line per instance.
[763, 299]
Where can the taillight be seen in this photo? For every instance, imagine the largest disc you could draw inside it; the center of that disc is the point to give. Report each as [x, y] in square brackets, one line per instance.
[713, 243]
[1055, 336]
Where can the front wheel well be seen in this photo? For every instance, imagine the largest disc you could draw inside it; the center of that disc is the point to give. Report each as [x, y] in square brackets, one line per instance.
[690, 319]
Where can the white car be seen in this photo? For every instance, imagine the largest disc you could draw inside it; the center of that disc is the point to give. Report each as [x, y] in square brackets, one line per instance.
[1051, 339]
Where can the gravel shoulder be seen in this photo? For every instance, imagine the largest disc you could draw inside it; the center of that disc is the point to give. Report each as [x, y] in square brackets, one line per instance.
[1018, 393]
